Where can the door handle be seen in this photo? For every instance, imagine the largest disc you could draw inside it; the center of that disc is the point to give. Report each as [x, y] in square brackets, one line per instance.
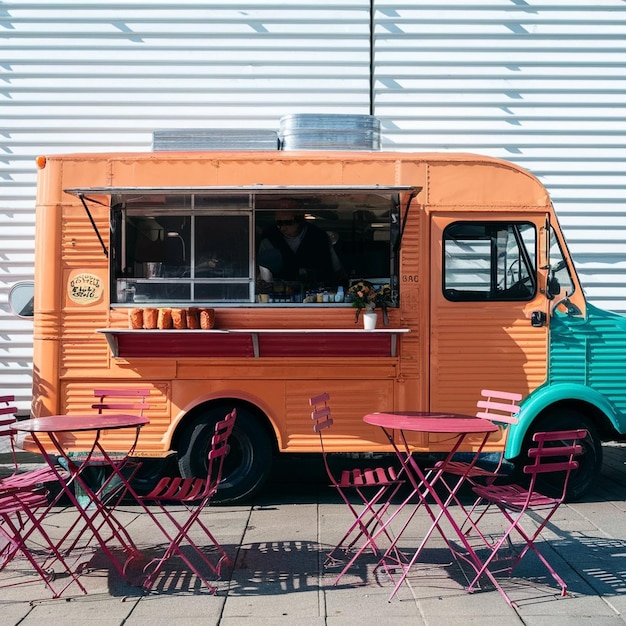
[538, 319]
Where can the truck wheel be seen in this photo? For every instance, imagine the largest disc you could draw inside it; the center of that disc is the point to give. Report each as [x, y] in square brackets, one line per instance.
[249, 460]
[589, 462]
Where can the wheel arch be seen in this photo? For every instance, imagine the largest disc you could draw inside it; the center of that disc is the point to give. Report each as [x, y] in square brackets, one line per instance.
[542, 401]
[227, 402]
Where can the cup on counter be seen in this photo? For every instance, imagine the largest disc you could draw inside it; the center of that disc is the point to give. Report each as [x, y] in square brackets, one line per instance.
[152, 270]
[125, 292]
[121, 290]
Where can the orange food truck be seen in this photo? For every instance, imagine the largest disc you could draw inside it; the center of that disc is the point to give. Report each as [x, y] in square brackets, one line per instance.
[479, 287]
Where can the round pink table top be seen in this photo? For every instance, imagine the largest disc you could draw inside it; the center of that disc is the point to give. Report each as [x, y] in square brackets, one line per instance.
[74, 423]
[430, 422]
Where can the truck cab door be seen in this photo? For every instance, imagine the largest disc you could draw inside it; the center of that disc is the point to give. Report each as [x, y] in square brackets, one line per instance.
[489, 314]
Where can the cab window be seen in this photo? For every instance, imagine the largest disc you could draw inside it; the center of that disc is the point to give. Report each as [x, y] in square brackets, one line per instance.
[489, 261]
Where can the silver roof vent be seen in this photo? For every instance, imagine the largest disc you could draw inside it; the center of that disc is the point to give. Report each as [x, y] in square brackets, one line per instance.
[312, 131]
[214, 139]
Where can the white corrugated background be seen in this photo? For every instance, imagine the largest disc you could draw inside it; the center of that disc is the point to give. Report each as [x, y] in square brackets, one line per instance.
[538, 83]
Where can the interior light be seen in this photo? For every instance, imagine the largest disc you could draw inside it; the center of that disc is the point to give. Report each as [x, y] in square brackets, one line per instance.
[173, 233]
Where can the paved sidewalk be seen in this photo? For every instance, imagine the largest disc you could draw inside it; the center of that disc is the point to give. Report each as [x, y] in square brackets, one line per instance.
[278, 547]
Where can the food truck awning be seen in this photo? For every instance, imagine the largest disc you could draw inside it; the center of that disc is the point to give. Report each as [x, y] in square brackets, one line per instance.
[254, 189]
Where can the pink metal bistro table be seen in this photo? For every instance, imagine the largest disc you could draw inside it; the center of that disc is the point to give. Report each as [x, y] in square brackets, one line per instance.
[459, 427]
[98, 516]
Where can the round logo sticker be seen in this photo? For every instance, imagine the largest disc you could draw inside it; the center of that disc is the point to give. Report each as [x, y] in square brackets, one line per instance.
[85, 288]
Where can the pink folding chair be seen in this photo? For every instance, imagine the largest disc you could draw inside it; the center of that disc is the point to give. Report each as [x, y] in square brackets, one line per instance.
[18, 479]
[554, 455]
[95, 470]
[194, 494]
[116, 400]
[101, 478]
[20, 524]
[24, 509]
[375, 488]
[496, 406]
[499, 407]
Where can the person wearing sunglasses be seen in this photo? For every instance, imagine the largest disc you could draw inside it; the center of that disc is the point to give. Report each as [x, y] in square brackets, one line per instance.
[294, 249]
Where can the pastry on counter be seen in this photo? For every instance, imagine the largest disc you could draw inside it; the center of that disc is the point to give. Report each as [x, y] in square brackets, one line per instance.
[135, 318]
[207, 318]
[164, 320]
[193, 318]
[150, 318]
[179, 318]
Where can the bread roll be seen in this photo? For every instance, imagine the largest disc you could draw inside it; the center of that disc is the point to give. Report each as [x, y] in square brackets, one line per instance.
[165, 319]
[179, 318]
[135, 318]
[207, 318]
[193, 318]
[150, 318]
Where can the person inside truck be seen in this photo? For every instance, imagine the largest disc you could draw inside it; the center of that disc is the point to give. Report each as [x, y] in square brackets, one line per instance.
[294, 249]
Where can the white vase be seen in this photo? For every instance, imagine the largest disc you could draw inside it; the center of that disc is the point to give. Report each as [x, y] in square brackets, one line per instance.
[369, 320]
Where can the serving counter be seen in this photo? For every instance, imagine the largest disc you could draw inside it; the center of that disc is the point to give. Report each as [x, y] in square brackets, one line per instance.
[254, 343]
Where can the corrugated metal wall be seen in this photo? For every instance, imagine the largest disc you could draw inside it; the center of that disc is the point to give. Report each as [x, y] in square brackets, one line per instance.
[538, 83]
[542, 84]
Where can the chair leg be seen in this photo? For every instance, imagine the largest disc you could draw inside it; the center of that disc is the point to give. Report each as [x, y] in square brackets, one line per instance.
[224, 558]
[19, 534]
[484, 570]
[530, 545]
[174, 548]
[473, 522]
[366, 522]
[392, 551]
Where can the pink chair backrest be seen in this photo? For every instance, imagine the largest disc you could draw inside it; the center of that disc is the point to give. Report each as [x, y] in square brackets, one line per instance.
[321, 412]
[321, 421]
[218, 450]
[112, 399]
[223, 430]
[558, 455]
[499, 406]
[7, 415]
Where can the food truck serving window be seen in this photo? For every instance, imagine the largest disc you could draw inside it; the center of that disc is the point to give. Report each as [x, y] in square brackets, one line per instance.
[287, 246]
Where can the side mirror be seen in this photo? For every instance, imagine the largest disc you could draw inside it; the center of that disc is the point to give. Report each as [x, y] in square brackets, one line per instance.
[21, 299]
[553, 288]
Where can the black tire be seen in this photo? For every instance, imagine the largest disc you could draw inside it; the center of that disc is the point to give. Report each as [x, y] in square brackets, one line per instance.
[589, 462]
[151, 471]
[249, 460]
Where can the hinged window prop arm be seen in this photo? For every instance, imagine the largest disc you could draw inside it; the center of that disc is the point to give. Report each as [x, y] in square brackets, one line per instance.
[93, 223]
[405, 217]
